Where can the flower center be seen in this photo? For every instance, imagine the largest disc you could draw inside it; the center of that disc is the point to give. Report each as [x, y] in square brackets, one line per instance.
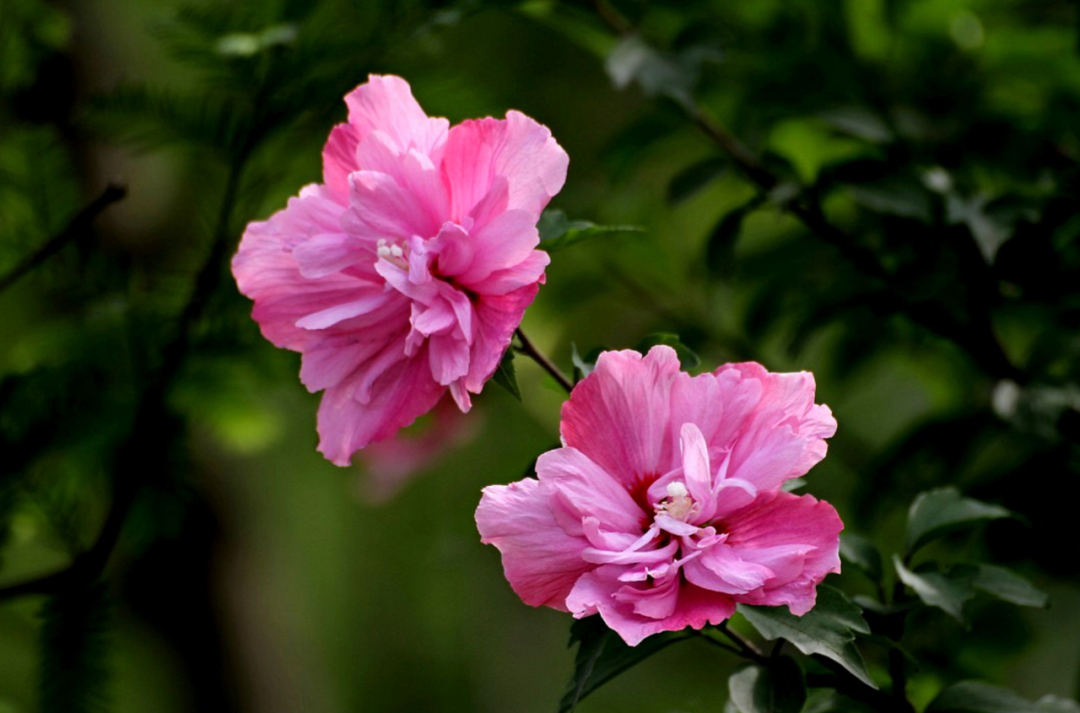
[678, 503]
[391, 252]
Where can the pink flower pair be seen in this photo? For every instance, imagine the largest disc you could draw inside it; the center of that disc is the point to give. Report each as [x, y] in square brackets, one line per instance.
[404, 274]
[664, 508]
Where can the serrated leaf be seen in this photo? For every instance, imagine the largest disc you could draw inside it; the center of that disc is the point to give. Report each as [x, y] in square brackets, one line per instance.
[937, 590]
[779, 688]
[602, 655]
[826, 630]
[862, 553]
[938, 512]
[1002, 583]
[557, 232]
[687, 357]
[694, 177]
[506, 375]
[978, 697]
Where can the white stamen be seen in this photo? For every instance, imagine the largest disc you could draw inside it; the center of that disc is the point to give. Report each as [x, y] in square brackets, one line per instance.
[679, 504]
[396, 251]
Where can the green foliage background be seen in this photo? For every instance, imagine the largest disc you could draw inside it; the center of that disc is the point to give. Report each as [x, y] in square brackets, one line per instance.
[937, 140]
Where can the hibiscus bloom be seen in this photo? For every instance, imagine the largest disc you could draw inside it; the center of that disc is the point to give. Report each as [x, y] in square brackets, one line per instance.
[406, 271]
[664, 508]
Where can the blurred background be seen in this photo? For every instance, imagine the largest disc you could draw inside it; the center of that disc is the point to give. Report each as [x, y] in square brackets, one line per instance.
[901, 217]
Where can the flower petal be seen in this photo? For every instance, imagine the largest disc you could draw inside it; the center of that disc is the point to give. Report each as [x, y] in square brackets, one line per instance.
[619, 414]
[541, 562]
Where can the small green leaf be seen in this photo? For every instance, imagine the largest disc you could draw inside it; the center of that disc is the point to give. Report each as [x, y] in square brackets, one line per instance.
[694, 177]
[790, 486]
[827, 630]
[602, 655]
[720, 250]
[506, 375]
[1056, 704]
[557, 232]
[687, 358]
[938, 512]
[1002, 583]
[583, 365]
[780, 688]
[634, 60]
[861, 552]
[937, 590]
[978, 697]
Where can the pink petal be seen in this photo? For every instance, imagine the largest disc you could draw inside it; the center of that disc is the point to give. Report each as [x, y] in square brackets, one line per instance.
[809, 528]
[517, 149]
[266, 271]
[504, 242]
[388, 393]
[695, 608]
[721, 569]
[386, 103]
[528, 272]
[619, 414]
[497, 316]
[339, 160]
[540, 560]
[581, 488]
[379, 207]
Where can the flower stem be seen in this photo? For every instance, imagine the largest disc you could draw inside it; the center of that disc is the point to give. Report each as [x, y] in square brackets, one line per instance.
[529, 349]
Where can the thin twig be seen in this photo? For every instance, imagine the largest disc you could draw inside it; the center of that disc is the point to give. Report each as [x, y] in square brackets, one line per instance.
[749, 649]
[140, 446]
[977, 340]
[530, 350]
[76, 228]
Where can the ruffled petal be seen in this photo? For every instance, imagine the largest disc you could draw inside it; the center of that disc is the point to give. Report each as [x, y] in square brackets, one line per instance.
[517, 149]
[386, 104]
[541, 562]
[798, 537]
[619, 415]
[387, 393]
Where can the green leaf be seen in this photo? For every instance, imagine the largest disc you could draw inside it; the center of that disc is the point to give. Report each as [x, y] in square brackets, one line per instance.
[602, 655]
[861, 552]
[780, 688]
[1002, 583]
[687, 358]
[695, 177]
[938, 512]
[1056, 704]
[826, 630]
[583, 365]
[506, 375]
[634, 60]
[978, 697]
[74, 631]
[937, 590]
[720, 250]
[557, 232]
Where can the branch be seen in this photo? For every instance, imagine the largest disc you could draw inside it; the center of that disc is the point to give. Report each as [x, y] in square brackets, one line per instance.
[977, 340]
[76, 228]
[530, 350]
[148, 439]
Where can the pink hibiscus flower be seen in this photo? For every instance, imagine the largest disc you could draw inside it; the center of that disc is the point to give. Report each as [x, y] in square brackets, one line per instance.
[405, 273]
[664, 508]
